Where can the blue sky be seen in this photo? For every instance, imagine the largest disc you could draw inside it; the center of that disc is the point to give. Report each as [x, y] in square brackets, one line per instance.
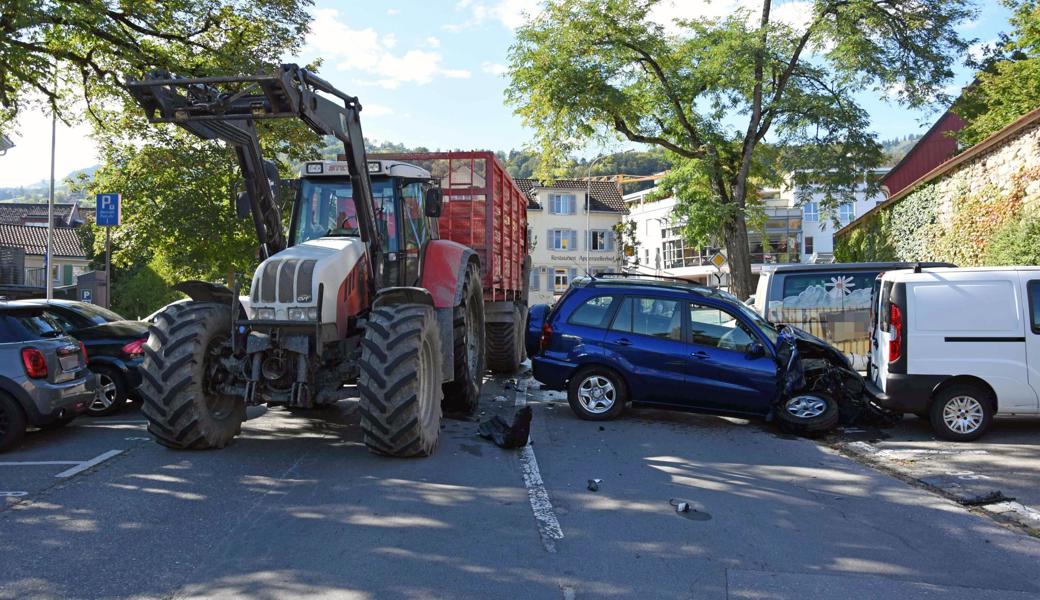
[430, 73]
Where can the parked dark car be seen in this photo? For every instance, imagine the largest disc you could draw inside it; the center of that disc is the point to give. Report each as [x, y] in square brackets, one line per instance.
[672, 344]
[114, 345]
[44, 380]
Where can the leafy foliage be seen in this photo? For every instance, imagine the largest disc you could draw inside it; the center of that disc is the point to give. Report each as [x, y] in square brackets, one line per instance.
[1009, 85]
[587, 69]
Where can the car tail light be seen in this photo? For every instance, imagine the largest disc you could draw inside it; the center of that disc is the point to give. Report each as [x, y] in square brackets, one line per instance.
[895, 343]
[35, 363]
[134, 348]
[546, 339]
[83, 349]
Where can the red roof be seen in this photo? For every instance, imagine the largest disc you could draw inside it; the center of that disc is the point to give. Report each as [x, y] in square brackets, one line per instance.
[932, 150]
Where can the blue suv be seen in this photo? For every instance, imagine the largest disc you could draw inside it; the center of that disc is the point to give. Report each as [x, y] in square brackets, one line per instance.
[667, 343]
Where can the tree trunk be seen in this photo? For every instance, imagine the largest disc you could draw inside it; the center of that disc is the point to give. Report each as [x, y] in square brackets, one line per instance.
[739, 257]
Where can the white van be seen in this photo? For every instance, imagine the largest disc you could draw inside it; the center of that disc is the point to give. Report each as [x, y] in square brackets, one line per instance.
[957, 345]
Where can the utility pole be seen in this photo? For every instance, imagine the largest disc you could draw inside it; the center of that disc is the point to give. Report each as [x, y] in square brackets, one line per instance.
[50, 197]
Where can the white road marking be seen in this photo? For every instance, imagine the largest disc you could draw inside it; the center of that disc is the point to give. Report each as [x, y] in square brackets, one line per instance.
[568, 593]
[138, 439]
[548, 525]
[13, 494]
[33, 463]
[83, 466]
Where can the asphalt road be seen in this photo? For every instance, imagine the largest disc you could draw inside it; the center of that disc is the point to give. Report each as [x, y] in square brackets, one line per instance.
[296, 507]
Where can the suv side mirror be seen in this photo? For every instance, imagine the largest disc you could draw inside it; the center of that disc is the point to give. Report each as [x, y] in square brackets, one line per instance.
[434, 199]
[756, 350]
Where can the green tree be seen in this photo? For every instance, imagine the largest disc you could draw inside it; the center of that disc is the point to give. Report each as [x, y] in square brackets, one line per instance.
[710, 91]
[98, 43]
[1009, 84]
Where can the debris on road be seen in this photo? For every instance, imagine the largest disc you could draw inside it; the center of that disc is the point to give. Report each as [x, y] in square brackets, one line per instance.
[500, 399]
[593, 485]
[507, 435]
[685, 509]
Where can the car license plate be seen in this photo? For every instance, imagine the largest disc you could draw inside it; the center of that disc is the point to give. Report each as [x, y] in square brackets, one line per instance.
[69, 363]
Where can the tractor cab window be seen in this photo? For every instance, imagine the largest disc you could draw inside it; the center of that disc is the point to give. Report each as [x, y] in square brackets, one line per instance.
[327, 209]
[414, 218]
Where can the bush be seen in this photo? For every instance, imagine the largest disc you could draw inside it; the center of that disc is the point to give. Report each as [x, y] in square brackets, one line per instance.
[142, 290]
[1016, 243]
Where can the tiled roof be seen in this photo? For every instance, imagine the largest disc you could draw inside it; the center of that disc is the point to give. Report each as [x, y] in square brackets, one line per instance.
[34, 240]
[15, 213]
[605, 195]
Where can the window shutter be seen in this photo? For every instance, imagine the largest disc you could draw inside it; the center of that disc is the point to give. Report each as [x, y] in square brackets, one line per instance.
[572, 203]
[573, 274]
[574, 240]
[610, 240]
[549, 239]
[534, 279]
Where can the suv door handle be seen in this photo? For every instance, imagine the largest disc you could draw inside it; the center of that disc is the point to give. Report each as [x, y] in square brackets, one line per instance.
[701, 354]
[624, 342]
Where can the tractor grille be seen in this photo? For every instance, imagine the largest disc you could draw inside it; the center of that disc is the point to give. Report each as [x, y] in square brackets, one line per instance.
[284, 281]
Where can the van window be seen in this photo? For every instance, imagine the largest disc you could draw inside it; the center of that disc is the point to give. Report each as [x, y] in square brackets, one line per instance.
[649, 316]
[594, 312]
[945, 306]
[1033, 289]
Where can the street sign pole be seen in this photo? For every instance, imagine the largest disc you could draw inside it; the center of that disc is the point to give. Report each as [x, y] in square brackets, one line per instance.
[108, 267]
[108, 214]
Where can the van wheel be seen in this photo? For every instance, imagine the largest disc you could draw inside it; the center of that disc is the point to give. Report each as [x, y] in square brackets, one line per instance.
[961, 413]
[808, 414]
[597, 394]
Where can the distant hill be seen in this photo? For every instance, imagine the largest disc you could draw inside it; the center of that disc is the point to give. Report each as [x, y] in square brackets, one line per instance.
[37, 192]
[896, 149]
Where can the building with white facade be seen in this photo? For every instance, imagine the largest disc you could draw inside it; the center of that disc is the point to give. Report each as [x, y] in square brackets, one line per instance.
[568, 240]
[819, 225]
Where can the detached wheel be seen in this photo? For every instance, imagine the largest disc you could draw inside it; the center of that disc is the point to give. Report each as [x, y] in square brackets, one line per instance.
[12, 423]
[109, 392]
[182, 374]
[961, 413]
[400, 382]
[808, 414]
[462, 394]
[597, 394]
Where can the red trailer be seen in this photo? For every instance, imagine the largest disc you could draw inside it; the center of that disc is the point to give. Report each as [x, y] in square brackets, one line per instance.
[485, 210]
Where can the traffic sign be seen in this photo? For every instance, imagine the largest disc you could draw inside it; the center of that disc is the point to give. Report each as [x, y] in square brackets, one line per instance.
[718, 259]
[109, 210]
[86, 296]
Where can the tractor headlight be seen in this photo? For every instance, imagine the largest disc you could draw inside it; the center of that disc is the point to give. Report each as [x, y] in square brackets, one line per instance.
[303, 314]
[264, 314]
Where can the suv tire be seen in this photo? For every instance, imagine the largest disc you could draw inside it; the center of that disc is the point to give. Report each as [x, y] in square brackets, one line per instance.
[597, 394]
[12, 423]
[961, 412]
[808, 414]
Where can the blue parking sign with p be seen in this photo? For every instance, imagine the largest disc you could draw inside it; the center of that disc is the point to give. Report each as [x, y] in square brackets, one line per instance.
[109, 210]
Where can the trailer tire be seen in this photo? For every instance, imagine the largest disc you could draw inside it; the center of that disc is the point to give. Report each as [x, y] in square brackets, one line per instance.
[400, 385]
[179, 374]
[504, 342]
[462, 394]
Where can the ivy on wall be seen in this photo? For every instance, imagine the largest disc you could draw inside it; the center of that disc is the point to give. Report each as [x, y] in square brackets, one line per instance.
[988, 227]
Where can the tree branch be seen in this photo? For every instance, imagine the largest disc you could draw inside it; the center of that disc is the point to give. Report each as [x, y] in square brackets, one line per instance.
[622, 127]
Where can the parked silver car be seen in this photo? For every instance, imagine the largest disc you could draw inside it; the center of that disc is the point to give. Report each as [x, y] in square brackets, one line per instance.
[44, 380]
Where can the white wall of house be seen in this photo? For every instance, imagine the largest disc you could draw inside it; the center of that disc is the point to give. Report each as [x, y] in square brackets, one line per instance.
[561, 242]
[818, 225]
[64, 269]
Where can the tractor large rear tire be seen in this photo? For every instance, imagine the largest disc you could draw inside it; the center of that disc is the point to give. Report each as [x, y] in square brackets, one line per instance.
[400, 382]
[179, 375]
[505, 344]
[462, 394]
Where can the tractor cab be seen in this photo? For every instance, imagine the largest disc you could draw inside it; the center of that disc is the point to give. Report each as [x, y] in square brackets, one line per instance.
[404, 202]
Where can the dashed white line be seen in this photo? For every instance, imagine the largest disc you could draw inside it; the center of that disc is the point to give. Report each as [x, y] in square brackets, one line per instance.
[548, 525]
[37, 463]
[83, 466]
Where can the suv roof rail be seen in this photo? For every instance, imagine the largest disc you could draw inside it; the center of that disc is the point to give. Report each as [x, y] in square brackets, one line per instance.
[637, 278]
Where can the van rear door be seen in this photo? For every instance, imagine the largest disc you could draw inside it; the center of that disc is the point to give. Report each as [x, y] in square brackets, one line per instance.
[879, 334]
[1031, 287]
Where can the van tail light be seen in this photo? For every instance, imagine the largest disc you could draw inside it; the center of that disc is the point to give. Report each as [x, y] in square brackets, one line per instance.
[83, 349]
[895, 344]
[134, 348]
[35, 363]
[546, 339]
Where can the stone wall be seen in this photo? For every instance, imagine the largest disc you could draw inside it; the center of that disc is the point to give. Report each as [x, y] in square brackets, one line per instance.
[982, 195]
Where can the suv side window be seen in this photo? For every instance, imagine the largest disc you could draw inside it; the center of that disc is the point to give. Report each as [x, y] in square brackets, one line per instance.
[717, 328]
[651, 317]
[594, 312]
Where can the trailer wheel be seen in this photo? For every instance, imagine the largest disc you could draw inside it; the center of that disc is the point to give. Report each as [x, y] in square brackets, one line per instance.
[181, 373]
[400, 380]
[504, 341]
[462, 394]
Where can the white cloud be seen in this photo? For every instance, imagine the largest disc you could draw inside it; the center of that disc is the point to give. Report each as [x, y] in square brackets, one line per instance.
[795, 13]
[492, 68]
[433, 42]
[978, 50]
[369, 53]
[393, 12]
[30, 160]
[375, 110]
[510, 13]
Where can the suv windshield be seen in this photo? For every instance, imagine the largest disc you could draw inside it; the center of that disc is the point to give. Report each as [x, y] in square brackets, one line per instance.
[327, 209]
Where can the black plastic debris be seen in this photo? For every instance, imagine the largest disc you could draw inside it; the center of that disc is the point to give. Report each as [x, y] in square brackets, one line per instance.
[506, 435]
[593, 485]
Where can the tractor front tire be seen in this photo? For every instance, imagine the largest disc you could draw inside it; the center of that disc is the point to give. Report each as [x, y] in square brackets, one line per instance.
[400, 382]
[505, 344]
[180, 372]
[462, 394]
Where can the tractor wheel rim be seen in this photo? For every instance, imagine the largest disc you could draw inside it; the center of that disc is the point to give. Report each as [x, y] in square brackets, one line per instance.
[597, 394]
[806, 407]
[219, 405]
[963, 414]
[105, 392]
